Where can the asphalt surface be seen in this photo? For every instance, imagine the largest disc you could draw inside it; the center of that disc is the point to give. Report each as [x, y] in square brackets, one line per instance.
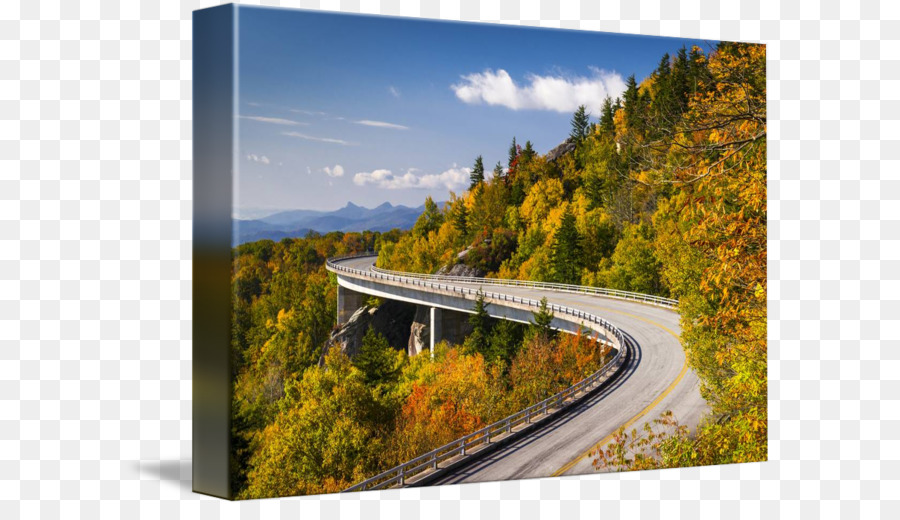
[657, 379]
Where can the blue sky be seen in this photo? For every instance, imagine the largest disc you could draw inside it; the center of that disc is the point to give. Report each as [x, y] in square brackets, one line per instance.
[338, 108]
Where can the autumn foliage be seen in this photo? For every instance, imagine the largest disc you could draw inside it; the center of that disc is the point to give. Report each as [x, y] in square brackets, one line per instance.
[305, 427]
[666, 195]
[712, 230]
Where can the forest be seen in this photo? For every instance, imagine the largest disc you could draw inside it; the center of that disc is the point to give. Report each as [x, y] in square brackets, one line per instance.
[663, 192]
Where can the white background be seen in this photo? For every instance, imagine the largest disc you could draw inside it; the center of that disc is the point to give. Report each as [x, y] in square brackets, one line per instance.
[95, 269]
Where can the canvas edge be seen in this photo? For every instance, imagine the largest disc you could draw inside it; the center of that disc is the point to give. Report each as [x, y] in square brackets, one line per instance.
[214, 91]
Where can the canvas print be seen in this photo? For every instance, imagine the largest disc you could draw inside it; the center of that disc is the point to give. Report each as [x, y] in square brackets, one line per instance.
[431, 253]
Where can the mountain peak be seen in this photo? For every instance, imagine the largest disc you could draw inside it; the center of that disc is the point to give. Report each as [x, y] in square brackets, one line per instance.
[351, 205]
[386, 205]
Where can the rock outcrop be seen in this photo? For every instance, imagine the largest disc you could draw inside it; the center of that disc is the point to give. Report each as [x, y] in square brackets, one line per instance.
[391, 319]
[455, 327]
[460, 268]
[564, 148]
[420, 331]
[403, 324]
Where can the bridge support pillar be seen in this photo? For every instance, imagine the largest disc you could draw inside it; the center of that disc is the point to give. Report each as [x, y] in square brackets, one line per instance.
[436, 327]
[447, 325]
[348, 302]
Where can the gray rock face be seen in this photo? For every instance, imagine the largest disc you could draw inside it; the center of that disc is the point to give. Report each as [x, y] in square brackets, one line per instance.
[420, 331]
[462, 270]
[564, 148]
[391, 319]
[455, 327]
[403, 324]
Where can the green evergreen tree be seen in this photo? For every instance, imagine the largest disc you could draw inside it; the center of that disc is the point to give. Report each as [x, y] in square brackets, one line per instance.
[430, 219]
[481, 323]
[599, 176]
[580, 124]
[698, 75]
[541, 321]
[460, 216]
[477, 175]
[680, 81]
[498, 172]
[632, 103]
[664, 68]
[567, 251]
[376, 359]
[664, 109]
[513, 153]
[527, 154]
[505, 340]
[607, 113]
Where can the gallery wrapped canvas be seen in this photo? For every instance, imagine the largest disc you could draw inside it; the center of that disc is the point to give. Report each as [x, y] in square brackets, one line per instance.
[430, 253]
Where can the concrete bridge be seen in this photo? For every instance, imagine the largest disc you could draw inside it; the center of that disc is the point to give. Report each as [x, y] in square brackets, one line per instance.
[449, 302]
[655, 376]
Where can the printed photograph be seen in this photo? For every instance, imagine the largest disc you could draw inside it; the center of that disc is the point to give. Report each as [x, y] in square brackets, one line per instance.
[473, 252]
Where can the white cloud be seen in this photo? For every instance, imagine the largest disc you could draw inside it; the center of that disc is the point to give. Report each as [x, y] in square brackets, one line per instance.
[394, 91]
[557, 93]
[273, 120]
[381, 124]
[258, 158]
[452, 179]
[318, 139]
[307, 112]
[337, 171]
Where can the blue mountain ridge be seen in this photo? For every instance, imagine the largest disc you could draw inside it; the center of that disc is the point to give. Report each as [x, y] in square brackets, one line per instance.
[297, 223]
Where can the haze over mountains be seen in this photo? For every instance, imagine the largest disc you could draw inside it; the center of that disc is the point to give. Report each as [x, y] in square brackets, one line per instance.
[297, 223]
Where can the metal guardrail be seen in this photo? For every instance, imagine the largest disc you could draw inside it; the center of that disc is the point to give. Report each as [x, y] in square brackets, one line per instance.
[429, 461]
[580, 289]
[418, 281]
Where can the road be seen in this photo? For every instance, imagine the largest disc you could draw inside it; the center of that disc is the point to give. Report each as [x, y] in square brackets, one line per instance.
[657, 379]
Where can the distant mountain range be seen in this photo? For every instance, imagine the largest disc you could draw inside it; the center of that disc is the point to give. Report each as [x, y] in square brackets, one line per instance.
[297, 223]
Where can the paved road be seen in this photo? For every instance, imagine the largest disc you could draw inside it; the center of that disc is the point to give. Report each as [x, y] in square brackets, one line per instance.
[656, 380]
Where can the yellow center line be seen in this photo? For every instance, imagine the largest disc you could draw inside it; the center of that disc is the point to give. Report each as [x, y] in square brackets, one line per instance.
[684, 368]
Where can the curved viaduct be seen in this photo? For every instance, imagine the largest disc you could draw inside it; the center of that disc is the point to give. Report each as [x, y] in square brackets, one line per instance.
[656, 377]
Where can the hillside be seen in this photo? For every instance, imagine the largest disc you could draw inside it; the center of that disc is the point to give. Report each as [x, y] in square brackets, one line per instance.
[663, 193]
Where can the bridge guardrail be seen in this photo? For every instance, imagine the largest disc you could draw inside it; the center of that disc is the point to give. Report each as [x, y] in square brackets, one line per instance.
[580, 289]
[398, 475]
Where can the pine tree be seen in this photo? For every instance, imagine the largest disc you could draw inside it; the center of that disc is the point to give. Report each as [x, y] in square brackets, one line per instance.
[698, 74]
[481, 326]
[567, 251]
[430, 219]
[664, 104]
[459, 214]
[505, 340]
[541, 321]
[632, 108]
[680, 81]
[528, 153]
[498, 171]
[664, 67]
[580, 124]
[513, 154]
[376, 359]
[607, 115]
[477, 175]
